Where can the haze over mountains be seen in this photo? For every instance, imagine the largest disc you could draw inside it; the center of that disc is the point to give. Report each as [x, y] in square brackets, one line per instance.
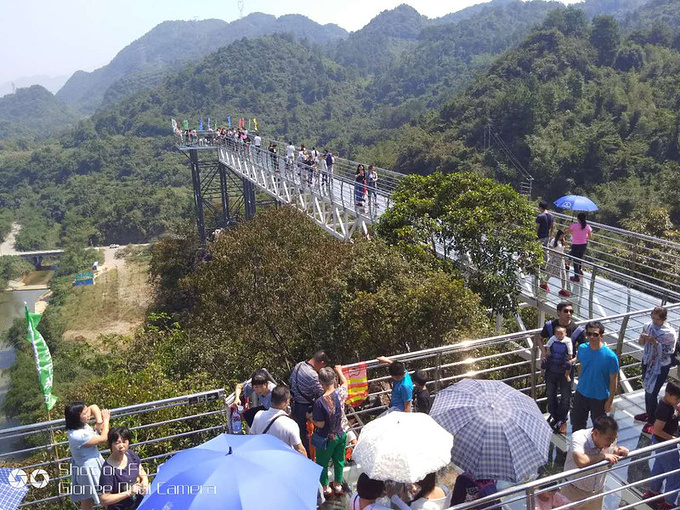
[585, 104]
[51, 83]
[171, 44]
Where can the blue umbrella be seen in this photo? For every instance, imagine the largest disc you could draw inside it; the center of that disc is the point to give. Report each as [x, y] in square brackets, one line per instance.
[233, 472]
[576, 203]
[499, 432]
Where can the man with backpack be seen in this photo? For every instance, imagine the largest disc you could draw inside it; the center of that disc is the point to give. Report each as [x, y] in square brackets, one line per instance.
[305, 389]
[565, 311]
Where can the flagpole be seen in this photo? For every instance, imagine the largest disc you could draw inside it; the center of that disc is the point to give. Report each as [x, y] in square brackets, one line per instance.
[55, 451]
[29, 326]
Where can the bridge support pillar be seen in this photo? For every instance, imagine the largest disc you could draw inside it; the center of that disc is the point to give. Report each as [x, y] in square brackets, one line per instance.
[222, 198]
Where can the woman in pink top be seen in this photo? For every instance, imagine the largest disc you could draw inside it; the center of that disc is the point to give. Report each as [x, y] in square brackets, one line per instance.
[580, 233]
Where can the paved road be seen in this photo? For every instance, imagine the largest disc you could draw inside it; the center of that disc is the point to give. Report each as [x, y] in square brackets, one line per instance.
[7, 246]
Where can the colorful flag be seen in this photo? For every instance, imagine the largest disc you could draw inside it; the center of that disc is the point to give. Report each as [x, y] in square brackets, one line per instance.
[250, 123]
[43, 359]
[228, 121]
[200, 124]
[358, 384]
[186, 125]
[208, 123]
[255, 124]
[174, 125]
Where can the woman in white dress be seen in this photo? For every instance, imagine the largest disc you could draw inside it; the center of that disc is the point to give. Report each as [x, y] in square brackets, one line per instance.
[86, 461]
[557, 264]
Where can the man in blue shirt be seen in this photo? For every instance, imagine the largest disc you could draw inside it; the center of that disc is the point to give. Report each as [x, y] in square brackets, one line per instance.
[598, 378]
[402, 387]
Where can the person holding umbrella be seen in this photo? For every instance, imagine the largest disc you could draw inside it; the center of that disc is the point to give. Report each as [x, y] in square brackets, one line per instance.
[236, 471]
[486, 412]
[580, 233]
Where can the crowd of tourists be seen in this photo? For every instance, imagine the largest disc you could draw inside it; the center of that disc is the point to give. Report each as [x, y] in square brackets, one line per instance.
[308, 414]
[313, 168]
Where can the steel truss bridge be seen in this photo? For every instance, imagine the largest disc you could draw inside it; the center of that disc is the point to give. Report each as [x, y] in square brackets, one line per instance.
[626, 275]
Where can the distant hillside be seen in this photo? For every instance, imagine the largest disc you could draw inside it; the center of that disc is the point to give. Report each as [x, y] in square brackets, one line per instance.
[291, 88]
[173, 44]
[617, 8]
[653, 14]
[51, 83]
[379, 44]
[469, 12]
[34, 112]
[447, 55]
[582, 109]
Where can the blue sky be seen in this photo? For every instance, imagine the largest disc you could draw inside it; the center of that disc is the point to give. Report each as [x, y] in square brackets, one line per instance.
[60, 37]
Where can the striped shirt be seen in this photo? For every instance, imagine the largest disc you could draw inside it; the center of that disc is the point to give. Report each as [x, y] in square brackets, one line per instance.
[304, 384]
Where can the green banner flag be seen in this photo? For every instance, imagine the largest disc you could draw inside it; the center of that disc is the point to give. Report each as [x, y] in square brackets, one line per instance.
[43, 359]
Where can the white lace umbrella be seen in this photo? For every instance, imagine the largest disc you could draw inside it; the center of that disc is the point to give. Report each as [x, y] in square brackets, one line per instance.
[404, 447]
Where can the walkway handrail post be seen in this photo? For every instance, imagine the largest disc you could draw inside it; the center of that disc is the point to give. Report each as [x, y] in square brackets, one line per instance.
[622, 335]
[438, 373]
[531, 497]
[534, 378]
[591, 293]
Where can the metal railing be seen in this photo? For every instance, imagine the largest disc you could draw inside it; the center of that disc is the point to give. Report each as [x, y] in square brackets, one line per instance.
[161, 427]
[601, 290]
[638, 255]
[635, 261]
[515, 360]
[164, 427]
[628, 493]
[337, 184]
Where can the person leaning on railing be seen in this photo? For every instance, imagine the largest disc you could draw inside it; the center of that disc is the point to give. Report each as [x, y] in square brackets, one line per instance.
[402, 386]
[588, 447]
[258, 391]
[658, 339]
[86, 461]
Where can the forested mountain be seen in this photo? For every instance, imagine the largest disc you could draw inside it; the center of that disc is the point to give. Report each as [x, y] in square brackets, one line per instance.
[298, 91]
[378, 45]
[289, 87]
[34, 112]
[447, 55]
[172, 44]
[655, 14]
[583, 109]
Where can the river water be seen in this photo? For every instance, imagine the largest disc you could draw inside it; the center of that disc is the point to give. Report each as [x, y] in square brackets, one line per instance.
[11, 307]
